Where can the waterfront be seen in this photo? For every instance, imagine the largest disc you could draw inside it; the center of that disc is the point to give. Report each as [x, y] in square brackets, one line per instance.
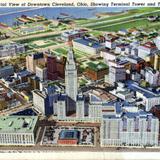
[8, 15]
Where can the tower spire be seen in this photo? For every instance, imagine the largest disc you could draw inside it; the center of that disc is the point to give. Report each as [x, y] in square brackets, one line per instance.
[70, 55]
[70, 59]
[71, 75]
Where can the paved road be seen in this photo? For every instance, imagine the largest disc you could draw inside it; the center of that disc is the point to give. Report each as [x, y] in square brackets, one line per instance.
[41, 35]
[78, 155]
[74, 149]
[97, 137]
[41, 148]
[15, 109]
[40, 135]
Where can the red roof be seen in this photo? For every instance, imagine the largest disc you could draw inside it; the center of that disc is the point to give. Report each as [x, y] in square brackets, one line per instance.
[83, 30]
[149, 45]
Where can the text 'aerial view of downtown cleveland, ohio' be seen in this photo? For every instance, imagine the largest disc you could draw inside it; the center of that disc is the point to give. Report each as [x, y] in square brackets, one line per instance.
[74, 79]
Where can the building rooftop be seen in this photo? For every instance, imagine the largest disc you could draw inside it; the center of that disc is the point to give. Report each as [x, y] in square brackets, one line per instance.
[111, 117]
[37, 55]
[18, 124]
[6, 67]
[10, 45]
[129, 115]
[120, 61]
[88, 42]
[40, 93]
[72, 32]
[151, 70]
[94, 98]
[97, 66]
[149, 45]
[123, 30]
[134, 58]
[24, 73]
[68, 134]
[80, 98]
[62, 97]
[147, 93]
[140, 114]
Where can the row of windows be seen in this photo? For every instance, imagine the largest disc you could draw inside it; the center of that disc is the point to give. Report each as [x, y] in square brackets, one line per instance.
[12, 138]
[127, 143]
[132, 126]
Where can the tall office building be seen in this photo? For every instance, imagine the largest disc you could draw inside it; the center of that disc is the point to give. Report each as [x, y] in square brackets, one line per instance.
[61, 62]
[147, 49]
[71, 76]
[61, 107]
[130, 129]
[51, 68]
[32, 60]
[152, 76]
[116, 74]
[157, 62]
[41, 101]
[44, 100]
[3, 103]
[157, 42]
[41, 72]
[80, 107]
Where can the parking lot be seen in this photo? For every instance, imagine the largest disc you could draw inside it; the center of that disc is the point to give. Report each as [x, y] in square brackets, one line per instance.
[51, 135]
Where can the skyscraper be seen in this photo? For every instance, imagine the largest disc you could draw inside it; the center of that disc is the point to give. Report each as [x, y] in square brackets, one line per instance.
[71, 83]
[34, 59]
[51, 68]
[157, 61]
[71, 76]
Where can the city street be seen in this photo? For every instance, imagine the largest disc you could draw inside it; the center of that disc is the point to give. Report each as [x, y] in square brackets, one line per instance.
[43, 148]
[80, 86]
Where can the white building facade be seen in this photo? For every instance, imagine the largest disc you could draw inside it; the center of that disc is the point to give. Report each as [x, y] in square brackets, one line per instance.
[39, 101]
[152, 77]
[11, 49]
[80, 107]
[71, 82]
[18, 130]
[131, 129]
[116, 74]
[41, 73]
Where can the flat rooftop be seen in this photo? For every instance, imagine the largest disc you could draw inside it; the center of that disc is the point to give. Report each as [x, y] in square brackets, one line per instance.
[97, 66]
[24, 73]
[17, 124]
[147, 93]
[88, 42]
[68, 134]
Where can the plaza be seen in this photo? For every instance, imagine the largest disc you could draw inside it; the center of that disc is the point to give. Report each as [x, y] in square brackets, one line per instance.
[79, 136]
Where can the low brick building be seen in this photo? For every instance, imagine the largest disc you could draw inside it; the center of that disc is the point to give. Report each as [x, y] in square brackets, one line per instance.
[68, 137]
[96, 71]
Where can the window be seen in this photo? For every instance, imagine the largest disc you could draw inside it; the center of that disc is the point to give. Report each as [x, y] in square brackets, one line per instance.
[124, 122]
[136, 122]
[149, 118]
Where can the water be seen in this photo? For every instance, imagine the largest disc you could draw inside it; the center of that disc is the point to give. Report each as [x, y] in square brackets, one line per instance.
[9, 15]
